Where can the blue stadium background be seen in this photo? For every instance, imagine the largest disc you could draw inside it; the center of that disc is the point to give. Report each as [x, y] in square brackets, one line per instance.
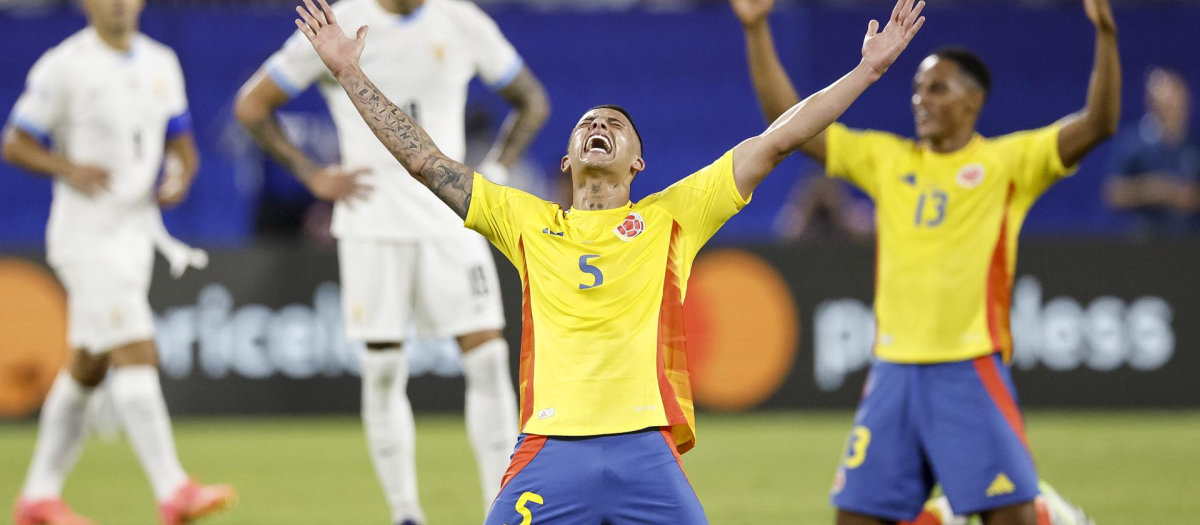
[682, 73]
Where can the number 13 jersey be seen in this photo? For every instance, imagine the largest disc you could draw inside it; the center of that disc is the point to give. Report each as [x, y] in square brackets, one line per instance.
[602, 347]
[947, 228]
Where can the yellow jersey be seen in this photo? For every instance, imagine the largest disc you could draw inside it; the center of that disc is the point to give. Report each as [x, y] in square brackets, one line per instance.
[947, 228]
[602, 338]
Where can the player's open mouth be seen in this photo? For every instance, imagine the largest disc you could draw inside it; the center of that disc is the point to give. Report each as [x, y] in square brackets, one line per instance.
[598, 143]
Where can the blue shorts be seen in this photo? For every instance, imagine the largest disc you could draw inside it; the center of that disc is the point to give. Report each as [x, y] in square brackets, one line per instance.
[951, 423]
[619, 479]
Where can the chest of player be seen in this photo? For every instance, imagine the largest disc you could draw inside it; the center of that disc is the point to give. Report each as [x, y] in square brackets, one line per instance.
[606, 259]
[931, 199]
[419, 60]
[114, 100]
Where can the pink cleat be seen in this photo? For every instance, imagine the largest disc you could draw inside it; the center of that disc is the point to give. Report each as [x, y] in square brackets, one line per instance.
[193, 501]
[48, 511]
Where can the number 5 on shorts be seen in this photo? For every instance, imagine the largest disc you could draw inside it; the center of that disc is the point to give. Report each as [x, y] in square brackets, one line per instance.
[856, 450]
[523, 511]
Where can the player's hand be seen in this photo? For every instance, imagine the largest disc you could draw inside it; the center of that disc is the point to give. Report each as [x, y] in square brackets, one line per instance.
[339, 52]
[173, 190]
[88, 180]
[1100, 13]
[881, 48]
[175, 184]
[752, 12]
[333, 183]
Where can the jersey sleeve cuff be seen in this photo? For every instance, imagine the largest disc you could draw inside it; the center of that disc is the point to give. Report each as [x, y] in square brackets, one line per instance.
[731, 184]
[509, 75]
[179, 124]
[1059, 167]
[472, 209]
[32, 128]
[276, 74]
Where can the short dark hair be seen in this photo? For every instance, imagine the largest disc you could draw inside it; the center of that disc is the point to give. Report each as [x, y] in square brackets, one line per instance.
[970, 64]
[621, 110]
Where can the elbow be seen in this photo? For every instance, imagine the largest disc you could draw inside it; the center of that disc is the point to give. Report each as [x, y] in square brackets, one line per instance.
[247, 110]
[1109, 128]
[536, 108]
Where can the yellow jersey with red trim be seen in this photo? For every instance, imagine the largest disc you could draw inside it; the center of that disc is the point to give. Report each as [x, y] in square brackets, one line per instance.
[947, 228]
[602, 338]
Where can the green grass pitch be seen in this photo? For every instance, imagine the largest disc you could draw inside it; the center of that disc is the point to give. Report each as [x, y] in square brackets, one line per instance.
[763, 468]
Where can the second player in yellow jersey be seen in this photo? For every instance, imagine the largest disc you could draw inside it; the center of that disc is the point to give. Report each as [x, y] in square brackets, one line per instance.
[947, 227]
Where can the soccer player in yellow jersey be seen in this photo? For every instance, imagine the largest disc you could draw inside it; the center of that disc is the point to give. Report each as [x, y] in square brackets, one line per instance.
[938, 404]
[605, 400]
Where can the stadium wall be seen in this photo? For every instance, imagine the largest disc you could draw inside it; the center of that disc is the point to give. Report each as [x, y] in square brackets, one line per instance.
[681, 72]
[780, 327]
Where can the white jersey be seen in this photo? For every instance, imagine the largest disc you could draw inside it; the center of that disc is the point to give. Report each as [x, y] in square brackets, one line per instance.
[423, 62]
[111, 110]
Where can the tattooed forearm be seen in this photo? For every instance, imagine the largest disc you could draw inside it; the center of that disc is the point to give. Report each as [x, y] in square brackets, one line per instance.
[451, 181]
[269, 135]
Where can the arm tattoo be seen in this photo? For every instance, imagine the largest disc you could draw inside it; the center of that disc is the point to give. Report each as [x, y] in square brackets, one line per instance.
[451, 181]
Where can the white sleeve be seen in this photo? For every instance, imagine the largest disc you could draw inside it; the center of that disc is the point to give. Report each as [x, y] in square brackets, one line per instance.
[177, 102]
[296, 66]
[496, 61]
[180, 120]
[40, 108]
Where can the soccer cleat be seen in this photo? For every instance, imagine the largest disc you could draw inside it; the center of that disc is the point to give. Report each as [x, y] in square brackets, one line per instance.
[49, 511]
[193, 501]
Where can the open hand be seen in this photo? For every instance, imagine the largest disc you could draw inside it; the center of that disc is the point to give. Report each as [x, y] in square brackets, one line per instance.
[334, 183]
[339, 52]
[1100, 13]
[881, 48]
[751, 12]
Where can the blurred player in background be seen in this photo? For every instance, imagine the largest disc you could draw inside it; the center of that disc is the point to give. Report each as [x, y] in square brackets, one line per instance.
[1052, 509]
[1155, 171]
[110, 100]
[403, 255]
[938, 405]
[606, 401]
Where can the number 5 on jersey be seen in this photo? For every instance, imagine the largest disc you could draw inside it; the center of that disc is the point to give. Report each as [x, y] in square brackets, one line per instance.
[585, 267]
[526, 498]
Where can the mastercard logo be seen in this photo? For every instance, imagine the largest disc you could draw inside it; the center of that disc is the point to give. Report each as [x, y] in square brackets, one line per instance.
[742, 330]
[33, 343]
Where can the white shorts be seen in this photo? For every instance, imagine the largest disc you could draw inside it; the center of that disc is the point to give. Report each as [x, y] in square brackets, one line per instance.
[107, 304]
[447, 287]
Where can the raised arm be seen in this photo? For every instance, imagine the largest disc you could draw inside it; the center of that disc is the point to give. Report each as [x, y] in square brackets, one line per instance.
[451, 181]
[754, 158]
[530, 109]
[774, 89]
[1097, 121]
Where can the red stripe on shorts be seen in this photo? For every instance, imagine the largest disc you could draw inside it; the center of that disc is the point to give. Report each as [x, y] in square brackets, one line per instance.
[522, 457]
[985, 366]
[667, 435]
